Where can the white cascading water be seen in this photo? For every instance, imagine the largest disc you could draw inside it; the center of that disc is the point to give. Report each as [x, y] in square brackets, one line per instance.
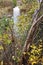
[16, 14]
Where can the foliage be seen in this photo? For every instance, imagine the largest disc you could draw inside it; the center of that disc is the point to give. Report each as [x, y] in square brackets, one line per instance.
[25, 19]
[14, 52]
[5, 30]
[35, 55]
[35, 52]
[24, 23]
[15, 2]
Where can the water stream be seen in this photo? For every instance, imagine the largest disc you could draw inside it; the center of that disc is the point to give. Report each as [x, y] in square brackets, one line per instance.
[16, 14]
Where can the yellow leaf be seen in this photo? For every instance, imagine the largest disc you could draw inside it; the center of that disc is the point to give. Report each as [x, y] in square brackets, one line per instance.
[33, 62]
[24, 53]
[1, 47]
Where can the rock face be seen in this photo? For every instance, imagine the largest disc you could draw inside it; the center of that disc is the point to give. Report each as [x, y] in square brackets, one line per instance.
[19, 2]
[6, 7]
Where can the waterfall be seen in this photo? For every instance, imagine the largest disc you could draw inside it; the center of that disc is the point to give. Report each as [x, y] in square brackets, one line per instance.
[16, 14]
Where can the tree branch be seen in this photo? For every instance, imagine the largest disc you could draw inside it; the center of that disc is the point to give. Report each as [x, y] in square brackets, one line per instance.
[31, 33]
